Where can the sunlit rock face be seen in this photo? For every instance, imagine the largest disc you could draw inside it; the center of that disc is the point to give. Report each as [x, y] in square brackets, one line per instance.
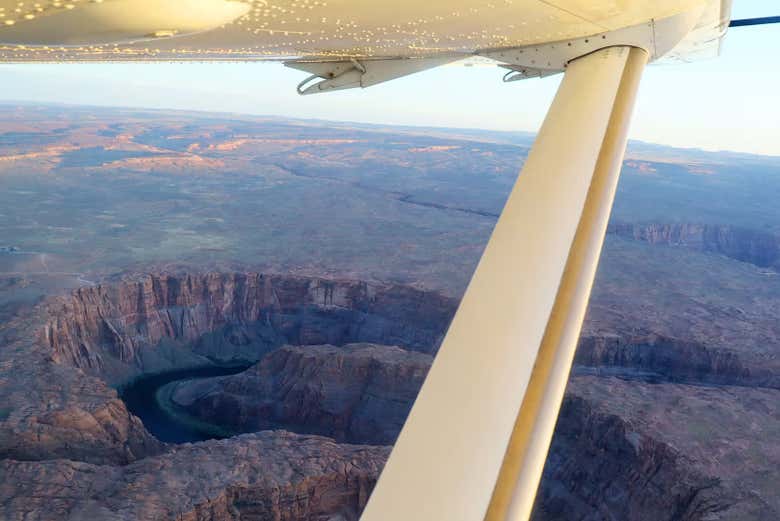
[173, 321]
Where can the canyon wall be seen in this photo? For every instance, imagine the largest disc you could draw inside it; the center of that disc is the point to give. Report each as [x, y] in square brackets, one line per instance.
[173, 321]
[743, 244]
[671, 359]
[49, 410]
[56, 399]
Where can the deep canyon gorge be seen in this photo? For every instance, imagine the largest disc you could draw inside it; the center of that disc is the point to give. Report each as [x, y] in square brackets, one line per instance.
[335, 367]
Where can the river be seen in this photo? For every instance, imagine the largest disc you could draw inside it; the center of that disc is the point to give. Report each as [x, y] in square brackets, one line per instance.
[141, 397]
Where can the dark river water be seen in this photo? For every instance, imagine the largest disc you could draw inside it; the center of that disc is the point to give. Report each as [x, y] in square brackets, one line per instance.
[140, 397]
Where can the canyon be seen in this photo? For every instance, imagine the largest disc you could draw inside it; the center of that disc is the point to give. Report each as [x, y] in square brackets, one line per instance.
[327, 259]
[64, 430]
[341, 359]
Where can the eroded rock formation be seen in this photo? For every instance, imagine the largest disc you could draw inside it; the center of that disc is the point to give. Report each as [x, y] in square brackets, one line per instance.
[50, 410]
[358, 393]
[637, 451]
[605, 462]
[619, 472]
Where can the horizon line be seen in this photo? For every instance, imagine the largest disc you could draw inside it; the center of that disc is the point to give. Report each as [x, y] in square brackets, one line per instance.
[527, 133]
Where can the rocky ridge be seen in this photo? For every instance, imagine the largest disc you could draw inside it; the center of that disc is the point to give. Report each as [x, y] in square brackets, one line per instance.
[664, 358]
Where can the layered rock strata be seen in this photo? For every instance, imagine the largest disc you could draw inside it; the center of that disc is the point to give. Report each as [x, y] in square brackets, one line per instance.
[49, 410]
[56, 399]
[636, 451]
[173, 321]
[71, 450]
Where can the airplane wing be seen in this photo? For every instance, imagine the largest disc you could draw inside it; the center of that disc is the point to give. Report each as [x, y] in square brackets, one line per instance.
[250, 30]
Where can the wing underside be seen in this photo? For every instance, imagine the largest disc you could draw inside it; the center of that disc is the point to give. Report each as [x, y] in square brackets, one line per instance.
[252, 30]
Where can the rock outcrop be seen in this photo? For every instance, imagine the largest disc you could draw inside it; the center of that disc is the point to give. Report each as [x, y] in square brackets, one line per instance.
[743, 244]
[271, 475]
[67, 415]
[164, 322]
[358, 393]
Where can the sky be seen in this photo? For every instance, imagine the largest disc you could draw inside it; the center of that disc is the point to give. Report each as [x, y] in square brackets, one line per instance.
[729, 103]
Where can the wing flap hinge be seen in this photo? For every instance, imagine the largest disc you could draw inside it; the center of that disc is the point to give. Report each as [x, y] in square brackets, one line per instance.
[353, 73]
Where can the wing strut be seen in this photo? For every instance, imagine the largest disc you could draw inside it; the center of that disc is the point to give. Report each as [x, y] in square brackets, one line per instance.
[475, 443]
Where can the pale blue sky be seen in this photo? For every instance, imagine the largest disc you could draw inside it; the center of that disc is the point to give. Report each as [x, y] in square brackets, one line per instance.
[730, 103]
